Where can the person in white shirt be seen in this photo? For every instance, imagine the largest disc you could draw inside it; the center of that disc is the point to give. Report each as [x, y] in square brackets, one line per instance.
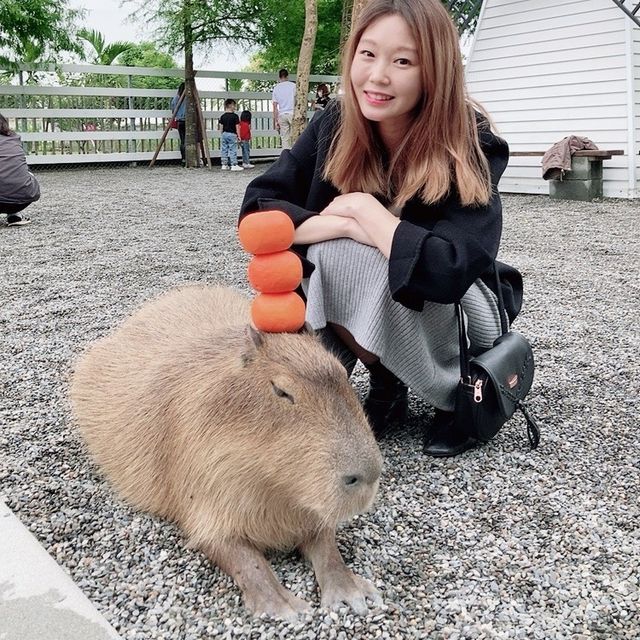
[284, 96]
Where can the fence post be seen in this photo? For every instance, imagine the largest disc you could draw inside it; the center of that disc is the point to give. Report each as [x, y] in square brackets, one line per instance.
[23, 123]
[132, 124]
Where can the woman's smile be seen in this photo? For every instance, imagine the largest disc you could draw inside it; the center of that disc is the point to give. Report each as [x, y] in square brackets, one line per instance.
[377, 98]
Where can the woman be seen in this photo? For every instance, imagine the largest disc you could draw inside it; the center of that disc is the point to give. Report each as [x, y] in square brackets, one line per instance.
[18, 186]
[322, 97]
[392, 191]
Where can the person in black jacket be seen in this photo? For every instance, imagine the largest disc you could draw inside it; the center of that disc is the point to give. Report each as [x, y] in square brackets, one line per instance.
[18, 186]
[393, 194]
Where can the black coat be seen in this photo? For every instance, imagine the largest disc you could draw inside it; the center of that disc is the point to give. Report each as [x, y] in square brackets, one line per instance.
[438, 250]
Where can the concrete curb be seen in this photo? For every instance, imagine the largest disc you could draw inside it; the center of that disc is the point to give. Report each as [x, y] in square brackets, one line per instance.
[38, 599]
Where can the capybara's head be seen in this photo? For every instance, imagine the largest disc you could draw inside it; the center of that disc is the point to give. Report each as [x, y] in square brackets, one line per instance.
[303, 427]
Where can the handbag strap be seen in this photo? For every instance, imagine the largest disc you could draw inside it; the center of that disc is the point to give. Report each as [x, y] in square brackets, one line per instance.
[504, 325]
[462, 340]
[462, 330]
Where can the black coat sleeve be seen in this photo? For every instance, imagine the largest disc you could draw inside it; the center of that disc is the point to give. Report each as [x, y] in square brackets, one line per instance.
[439, 261]
[294, 183]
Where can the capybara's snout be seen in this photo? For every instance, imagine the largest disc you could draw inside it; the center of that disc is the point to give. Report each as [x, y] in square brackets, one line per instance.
[358, 469]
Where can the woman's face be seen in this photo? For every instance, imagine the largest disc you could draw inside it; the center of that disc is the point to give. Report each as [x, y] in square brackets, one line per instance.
[385, 72]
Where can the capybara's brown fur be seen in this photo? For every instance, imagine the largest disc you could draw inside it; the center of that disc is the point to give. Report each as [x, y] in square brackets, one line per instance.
[231, 433]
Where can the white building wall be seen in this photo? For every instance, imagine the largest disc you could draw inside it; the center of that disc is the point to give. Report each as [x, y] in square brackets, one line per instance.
[545, 70]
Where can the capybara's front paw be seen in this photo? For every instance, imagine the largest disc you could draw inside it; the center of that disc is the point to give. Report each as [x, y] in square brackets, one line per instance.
[349, 590]
[282, 605]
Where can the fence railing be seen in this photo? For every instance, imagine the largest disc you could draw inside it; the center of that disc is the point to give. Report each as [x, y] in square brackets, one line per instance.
[63, 121]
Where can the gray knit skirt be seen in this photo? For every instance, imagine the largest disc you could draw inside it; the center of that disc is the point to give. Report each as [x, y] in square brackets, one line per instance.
[350, 287]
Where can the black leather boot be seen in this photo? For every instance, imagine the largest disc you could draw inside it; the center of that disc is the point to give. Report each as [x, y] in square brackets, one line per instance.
[443, 439]
[339, 349]
[387, 401]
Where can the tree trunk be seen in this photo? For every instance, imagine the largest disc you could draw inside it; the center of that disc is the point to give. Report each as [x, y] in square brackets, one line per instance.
[355, 11]
[345, 24]
[191, 118]
[304, 68]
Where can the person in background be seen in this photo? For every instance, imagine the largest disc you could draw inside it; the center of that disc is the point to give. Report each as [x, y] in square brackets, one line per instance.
[284, 98]
[180, 117]
[245, 138]
[229, 126]
[393, 194]
[322, 97]
[18, 186]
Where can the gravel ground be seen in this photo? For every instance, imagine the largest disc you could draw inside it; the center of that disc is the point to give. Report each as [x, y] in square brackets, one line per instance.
[500, 542]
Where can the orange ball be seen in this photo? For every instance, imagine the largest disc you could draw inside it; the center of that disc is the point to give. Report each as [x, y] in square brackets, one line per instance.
[266, 232]
[278, 312]
[275, 272]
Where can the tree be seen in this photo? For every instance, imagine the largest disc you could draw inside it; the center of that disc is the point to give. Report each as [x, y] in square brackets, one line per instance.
[33, 54]
[48, 25]
[464, 13]
[102, 53]
[193, 24]
[280, 28]
[146, 54]
[304, 66]
[210, 21]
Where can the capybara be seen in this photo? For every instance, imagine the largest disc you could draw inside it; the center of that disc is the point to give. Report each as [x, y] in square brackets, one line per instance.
[248, 441]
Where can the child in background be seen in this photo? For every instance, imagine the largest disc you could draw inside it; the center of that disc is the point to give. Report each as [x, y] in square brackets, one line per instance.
[245, 138]
[229, 125]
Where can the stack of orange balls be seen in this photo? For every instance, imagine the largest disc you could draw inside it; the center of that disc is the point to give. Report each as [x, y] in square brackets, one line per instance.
[274, 271]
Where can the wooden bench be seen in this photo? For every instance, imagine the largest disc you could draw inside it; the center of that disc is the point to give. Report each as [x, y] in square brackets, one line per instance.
[584, 181]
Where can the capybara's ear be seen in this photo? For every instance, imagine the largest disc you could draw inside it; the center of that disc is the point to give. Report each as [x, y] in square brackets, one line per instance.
[254, 336]
[254, 341]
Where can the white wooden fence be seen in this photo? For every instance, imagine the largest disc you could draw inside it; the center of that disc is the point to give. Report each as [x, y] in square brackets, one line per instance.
[64, 124]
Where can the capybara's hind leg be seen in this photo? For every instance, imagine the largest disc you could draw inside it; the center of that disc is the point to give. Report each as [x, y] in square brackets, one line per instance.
[339, 586]
[260, 587]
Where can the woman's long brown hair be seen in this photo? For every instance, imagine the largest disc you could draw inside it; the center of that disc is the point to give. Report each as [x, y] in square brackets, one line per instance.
[442, 149]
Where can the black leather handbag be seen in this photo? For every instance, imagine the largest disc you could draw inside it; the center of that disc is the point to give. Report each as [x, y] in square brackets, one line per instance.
[495, 383]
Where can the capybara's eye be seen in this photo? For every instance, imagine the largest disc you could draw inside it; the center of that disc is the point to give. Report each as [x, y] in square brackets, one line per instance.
[281, 393]
[351, 481]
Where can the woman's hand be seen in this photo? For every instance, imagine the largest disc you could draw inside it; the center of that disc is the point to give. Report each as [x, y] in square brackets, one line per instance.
[327, 227]
[357, 233]
[377, 224]
[357, 205]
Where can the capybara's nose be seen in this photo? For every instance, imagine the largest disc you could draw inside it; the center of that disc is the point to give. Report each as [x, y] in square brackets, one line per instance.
[369, 474]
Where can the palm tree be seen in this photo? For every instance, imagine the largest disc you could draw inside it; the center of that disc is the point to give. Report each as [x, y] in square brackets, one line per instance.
[32, 54]
[103, 53]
